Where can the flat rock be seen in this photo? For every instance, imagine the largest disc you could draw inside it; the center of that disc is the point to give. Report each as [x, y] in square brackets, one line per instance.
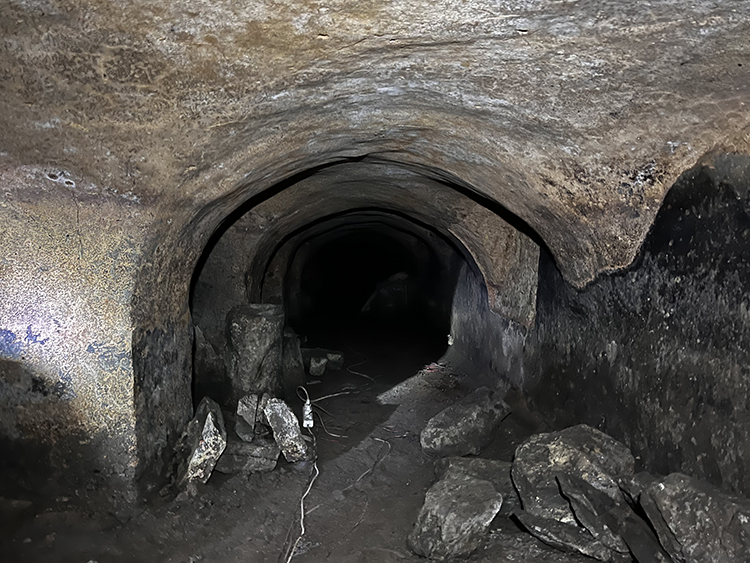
[241, 457]
[466, 427]
[455, 517]
[581, 452]
[286, 431]
[318, 366]
[247, 413]
[495, 471]
[569, 537]
[697, 523]
[202, 443]
[502, 546]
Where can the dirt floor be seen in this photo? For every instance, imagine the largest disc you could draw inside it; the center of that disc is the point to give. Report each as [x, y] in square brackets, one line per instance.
[371, 480]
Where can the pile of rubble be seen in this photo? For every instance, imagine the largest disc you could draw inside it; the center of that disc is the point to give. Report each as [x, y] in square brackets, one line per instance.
[575, 490]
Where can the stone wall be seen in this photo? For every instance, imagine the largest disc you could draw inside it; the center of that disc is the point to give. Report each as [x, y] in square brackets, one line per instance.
[658, 354]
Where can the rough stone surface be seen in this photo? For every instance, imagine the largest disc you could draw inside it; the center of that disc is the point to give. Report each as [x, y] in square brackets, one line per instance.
[495, 471]
[456, 514]
[286, 431]
[697, 523]
[658, 355]
[318, 366]
[503, 546]
[247, 417]
[568, 537]
[465, 427]
[293, 367]
[202, 443]
[131, 132]
[255, 346]
[242, 457]
[580, 451]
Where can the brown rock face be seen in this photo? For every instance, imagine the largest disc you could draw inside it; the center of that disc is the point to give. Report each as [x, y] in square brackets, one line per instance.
[133, 132]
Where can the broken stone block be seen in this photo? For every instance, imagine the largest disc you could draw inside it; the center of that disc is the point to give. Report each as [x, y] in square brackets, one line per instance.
[697, 523]
[286, 431]
[254, 349]
[318, 366]
[202, 443]
[456, 515]
[335, 360]
[241, 457]
[579, 451]
[466, 427]
[568, 537]
[494, 471]
[247, 412]
[595, 511]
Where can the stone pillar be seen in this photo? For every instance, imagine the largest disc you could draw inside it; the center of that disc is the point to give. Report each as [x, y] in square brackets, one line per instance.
[255, 333]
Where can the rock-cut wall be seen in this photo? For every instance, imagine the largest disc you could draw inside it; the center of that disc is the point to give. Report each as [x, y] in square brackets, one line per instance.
[658, 354]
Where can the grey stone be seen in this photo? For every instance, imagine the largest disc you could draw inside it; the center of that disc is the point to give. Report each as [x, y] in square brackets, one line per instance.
[335, 360]
[208, 363]
[318, 366]
[504, 546]
[568, 538]
[456, 515]
[495, 471]
[241, 457]
[254, 349]
[293, 367]
[247, 413]
[697, 523]
[286, 431]
[202, 443]
[579, 451]
[465, 427]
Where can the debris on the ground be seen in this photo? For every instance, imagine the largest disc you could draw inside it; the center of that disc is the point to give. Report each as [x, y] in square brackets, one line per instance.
[286, 431]
[318, 360]
[696, 522]
[245, 458]
[202, 443]
[579, 451]
[455, 517]
[247, 413]
[492, 470]
[254, 349]
[318, 366]
[465, 427]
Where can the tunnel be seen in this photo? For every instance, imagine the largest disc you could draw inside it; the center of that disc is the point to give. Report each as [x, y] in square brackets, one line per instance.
[395, 281]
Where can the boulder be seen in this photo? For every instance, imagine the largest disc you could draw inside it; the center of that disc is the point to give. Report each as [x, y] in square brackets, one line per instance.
[581, 452]
[254, 349]
[465, 427]
[697, 523]
[494, 471]
[286, 431]
[455, 517]
[201, 444]
[241, 457]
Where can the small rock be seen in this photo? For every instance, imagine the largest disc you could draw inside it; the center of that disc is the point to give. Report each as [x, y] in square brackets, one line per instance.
[335, 360]
[318, 366]
[579, 451]
[465, 427]
[202, 443]
[494, 471]
[456, 514]
[241, 457]
[697, 523]
[247, 413]
[286, 431]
